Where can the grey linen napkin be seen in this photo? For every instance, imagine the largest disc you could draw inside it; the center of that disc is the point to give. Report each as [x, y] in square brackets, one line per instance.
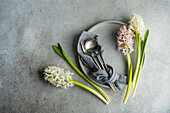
[109, 76]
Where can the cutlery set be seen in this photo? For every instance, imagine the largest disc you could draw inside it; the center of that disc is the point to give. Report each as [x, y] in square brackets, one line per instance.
[91, 48]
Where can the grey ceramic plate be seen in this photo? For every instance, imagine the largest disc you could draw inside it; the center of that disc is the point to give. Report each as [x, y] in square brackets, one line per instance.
[107, 32]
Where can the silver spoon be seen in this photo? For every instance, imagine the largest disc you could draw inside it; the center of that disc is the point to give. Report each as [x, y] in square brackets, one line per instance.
[92, 46]
[88, 53]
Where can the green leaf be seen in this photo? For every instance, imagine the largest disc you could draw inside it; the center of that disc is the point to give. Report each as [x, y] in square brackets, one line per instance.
[90, 90]
[145, 40]
[63, 53]
[143, 47]
[57, 50]
[129, 84]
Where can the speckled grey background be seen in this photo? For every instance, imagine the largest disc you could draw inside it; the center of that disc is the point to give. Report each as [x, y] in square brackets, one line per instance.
[28, 28]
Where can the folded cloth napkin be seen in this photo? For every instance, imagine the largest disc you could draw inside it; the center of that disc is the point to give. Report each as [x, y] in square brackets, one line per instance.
[107, 76]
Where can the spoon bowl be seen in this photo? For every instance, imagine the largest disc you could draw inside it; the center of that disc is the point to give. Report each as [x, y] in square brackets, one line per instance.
[91, 45]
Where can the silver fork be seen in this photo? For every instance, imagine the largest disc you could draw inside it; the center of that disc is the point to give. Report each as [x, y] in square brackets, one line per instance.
[112, 85]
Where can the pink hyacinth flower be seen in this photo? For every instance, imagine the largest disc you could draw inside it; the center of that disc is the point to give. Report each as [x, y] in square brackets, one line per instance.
[124, 40]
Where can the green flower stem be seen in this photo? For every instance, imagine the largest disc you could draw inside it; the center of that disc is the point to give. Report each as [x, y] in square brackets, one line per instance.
[90, 90]
[130, 77]
[138, 40]
[60, 51]
[129, 61]
[129, 84]
[128, 58]
[141, 61]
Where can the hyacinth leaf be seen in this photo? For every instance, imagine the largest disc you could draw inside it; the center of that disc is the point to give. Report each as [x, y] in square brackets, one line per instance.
[57, 50]
[90, 90]
[129, 84]
[141, 61]
[61, 52]
[145, 40]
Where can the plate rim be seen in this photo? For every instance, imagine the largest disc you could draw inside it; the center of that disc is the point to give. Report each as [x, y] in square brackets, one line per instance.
[100, 24]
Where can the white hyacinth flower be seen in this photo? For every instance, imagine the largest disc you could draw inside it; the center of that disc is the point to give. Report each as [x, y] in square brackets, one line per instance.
[136, 23]
[58, 76]
[62, 78]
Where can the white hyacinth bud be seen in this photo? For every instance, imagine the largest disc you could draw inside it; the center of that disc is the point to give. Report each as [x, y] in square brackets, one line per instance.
[58, 76]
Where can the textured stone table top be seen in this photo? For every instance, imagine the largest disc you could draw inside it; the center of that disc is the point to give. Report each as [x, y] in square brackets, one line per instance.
[28, 28]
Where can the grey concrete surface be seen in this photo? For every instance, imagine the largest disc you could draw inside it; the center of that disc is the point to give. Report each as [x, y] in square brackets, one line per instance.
[28, 28]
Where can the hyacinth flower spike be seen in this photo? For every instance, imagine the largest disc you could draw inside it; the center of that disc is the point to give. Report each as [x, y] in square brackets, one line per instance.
[125, 44]
[60, 77]
[137, 25]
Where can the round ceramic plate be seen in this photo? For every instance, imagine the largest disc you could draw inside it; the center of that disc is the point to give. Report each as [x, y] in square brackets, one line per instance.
[107, 32]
